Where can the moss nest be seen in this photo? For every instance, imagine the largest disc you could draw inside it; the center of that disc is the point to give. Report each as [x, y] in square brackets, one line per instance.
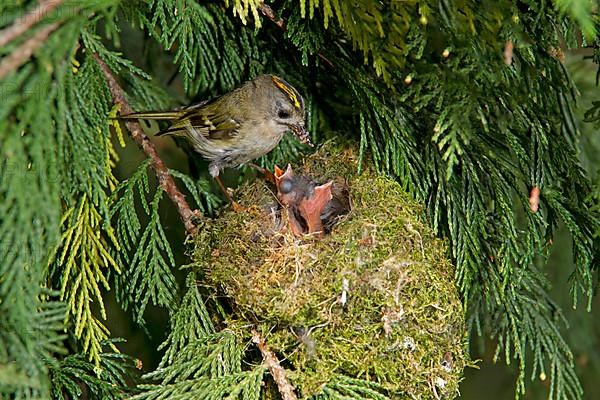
[374, 300]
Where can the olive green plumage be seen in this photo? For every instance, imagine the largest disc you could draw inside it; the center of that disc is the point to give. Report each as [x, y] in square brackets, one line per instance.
[238, 126]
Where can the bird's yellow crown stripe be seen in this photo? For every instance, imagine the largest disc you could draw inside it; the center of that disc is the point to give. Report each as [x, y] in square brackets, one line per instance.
[290, 91]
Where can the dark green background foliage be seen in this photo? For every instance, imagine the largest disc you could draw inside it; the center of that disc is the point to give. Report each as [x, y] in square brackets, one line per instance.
[425, 87]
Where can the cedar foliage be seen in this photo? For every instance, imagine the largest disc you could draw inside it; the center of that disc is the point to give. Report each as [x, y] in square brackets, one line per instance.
[422, 85]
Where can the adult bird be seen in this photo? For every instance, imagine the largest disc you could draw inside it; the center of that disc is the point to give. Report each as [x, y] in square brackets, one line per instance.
[239, 126]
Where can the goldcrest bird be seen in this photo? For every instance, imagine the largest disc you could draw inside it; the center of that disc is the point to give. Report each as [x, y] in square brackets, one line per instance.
[239, 126]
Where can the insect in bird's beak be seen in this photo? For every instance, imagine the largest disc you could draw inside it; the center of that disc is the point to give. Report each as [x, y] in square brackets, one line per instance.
[301, 133]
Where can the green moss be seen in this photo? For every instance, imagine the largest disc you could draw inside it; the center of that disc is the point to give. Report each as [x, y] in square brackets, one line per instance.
[402, 324]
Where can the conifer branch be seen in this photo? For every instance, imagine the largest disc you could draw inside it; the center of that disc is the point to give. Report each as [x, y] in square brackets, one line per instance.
[277, 372]
[268, 12]
[31, 18]
[14, 60]
[137, 134]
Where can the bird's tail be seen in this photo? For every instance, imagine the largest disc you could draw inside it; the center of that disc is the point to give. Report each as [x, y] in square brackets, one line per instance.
[172, 115]
[163, 115]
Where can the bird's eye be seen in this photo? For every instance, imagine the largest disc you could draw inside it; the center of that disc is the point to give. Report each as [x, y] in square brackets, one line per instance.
[283, 114]
[286, 186]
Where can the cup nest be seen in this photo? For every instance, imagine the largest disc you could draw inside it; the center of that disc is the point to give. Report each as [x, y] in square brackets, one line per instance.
[374, 299]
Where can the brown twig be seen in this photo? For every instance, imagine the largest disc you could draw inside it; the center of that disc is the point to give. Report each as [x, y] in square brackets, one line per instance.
[32, 17]
[277, 372]
[165, 180]
[268, 12]
[15, 59]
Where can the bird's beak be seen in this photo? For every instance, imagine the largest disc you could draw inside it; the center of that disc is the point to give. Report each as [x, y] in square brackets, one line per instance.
[301, 133]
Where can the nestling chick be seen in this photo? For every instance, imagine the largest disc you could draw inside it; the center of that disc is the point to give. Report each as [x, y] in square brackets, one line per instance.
[239, 126]
[312, 208]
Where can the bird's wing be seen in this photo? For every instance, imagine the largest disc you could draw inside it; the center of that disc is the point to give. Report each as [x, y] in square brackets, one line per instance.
[204, 119]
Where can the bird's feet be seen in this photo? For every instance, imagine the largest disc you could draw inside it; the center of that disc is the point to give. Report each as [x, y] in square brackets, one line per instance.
[236, 207]
[268, 175]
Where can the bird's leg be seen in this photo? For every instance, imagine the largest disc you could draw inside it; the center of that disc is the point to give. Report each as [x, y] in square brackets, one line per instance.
[235, 206]
[269, 177]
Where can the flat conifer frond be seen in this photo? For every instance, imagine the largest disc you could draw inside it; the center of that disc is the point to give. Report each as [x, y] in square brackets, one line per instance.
[468, 105]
